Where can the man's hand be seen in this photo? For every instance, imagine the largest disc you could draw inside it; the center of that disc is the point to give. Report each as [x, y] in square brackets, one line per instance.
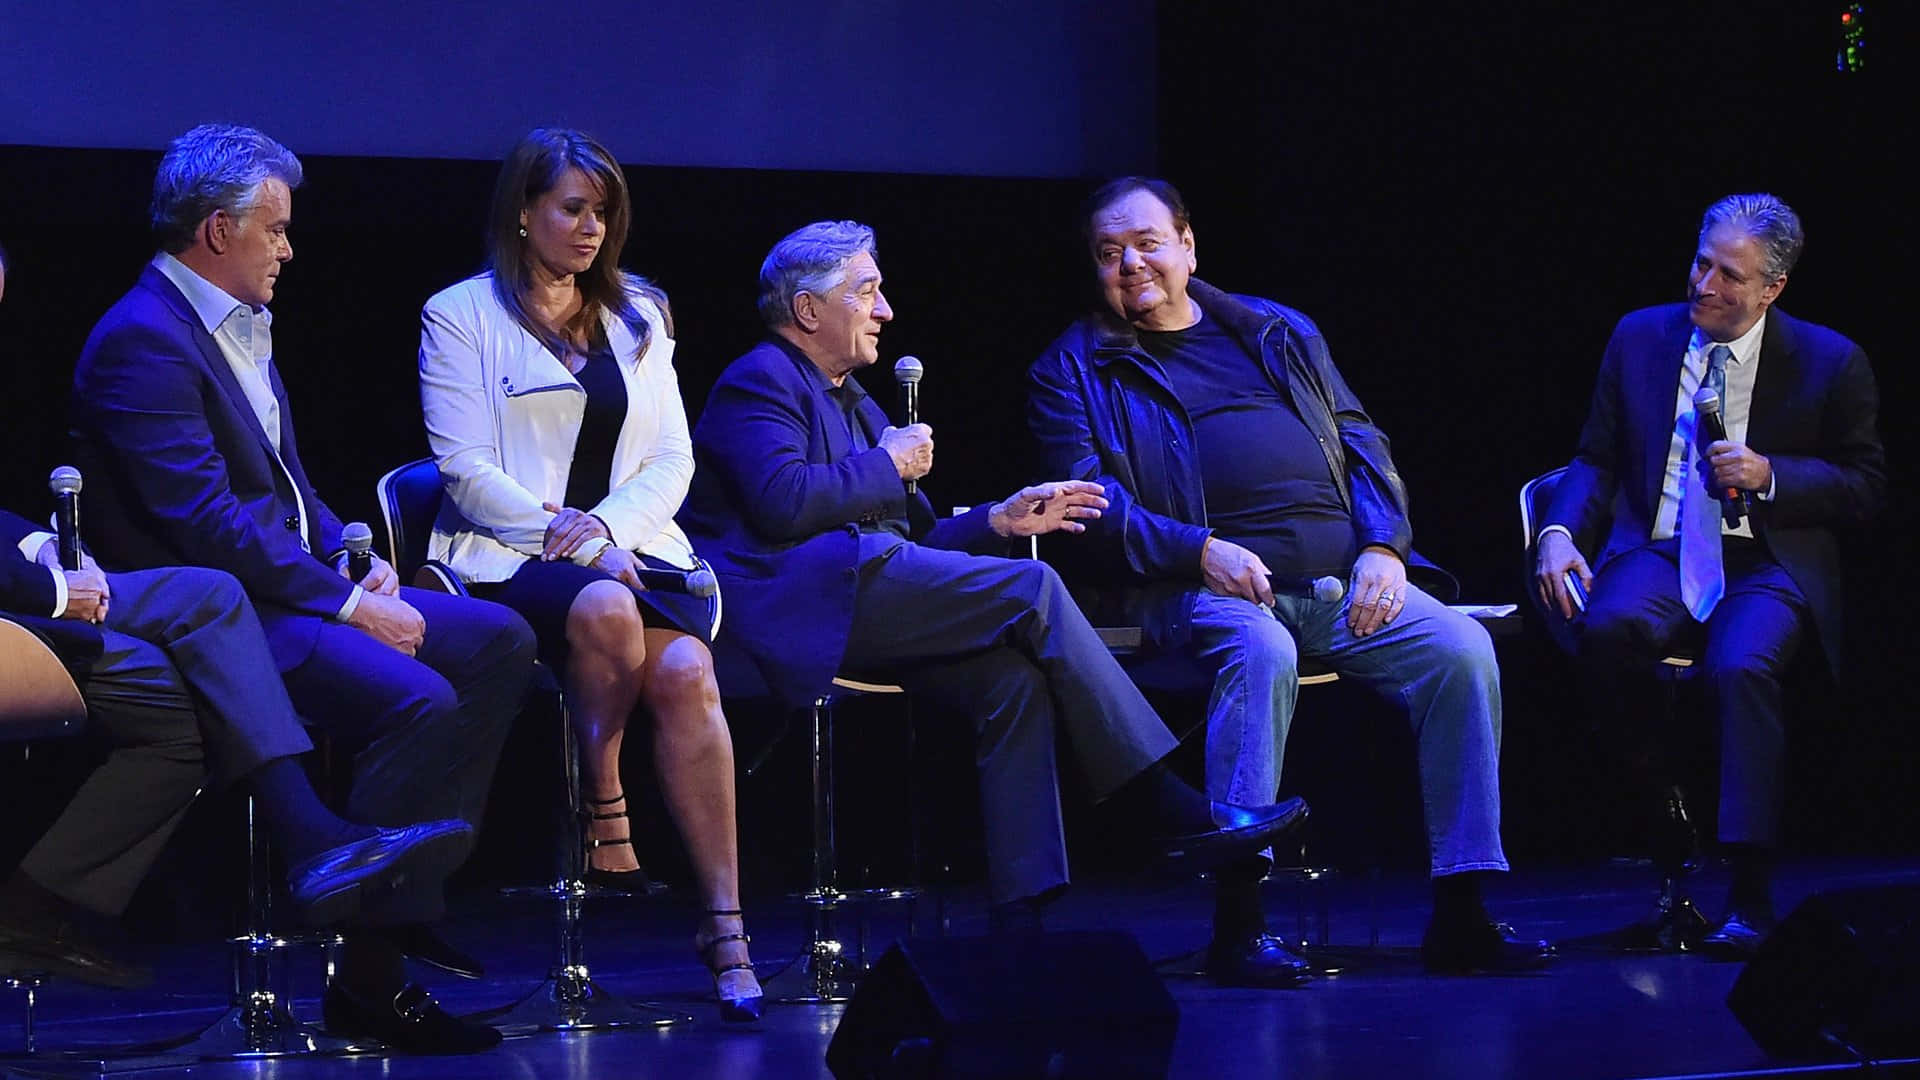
[381, 577]
[1062, 505]
[621, 563]
[87, 593]
[911, 448]
[390, 621]
[1735, 465]
[568, 530]
[1232, 570]
[1379, 590]
[1557, 556]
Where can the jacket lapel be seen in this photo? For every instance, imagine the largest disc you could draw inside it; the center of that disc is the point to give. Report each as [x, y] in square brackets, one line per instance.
[211, 356]
[1773, 382]
[1660, 387]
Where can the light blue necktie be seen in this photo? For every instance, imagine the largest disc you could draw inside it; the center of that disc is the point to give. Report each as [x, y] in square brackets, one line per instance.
[1703, 580]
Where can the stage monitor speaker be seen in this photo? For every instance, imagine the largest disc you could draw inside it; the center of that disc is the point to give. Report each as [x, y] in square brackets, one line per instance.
[1838, 978]
[1008, 1006]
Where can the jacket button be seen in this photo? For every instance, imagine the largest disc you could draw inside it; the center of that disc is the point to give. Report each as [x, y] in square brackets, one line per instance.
[292, 523]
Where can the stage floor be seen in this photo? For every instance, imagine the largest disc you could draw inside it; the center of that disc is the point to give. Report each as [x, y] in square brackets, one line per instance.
[1593, 1015]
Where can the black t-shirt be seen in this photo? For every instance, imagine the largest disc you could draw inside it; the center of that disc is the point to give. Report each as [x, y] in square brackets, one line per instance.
[590, 478]
[1268, 485]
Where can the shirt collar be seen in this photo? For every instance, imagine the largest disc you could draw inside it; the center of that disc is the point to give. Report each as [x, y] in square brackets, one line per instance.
[1745, 347]
[210, 302]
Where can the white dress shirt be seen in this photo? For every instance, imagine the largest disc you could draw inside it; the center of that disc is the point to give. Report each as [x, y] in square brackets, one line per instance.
[30, 546]
[245, 338]
[1741, 371]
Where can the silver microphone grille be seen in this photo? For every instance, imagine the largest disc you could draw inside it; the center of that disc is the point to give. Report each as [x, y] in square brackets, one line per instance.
[1706, 401]
[64, 481]
[908, 369]
[701, 583]
[357, 537]
[1329, 589]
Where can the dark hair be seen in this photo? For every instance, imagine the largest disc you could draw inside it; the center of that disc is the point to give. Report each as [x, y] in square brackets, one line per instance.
[1771, 223]
[214, 167]
[534, 167]
[1114, 190]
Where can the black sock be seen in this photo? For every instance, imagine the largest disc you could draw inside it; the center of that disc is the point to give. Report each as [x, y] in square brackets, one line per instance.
[1164, 801]
[1751, 892]
[1022, 916]
[1456, 900]
[1238, 916]
[371, 967]
[300, 824]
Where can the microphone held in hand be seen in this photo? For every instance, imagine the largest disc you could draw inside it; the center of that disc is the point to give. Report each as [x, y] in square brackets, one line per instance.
[65, 485]
[907, 372]
[1706, 406]
[1327, 589]
[358, 540]
[697, 582]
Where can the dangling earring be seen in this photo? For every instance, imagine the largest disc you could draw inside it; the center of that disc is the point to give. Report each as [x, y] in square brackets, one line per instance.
[523, 230]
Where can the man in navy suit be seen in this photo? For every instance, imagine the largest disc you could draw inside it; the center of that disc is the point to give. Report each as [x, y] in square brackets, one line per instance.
[188, 446]
[1800, 458]
[827, 560]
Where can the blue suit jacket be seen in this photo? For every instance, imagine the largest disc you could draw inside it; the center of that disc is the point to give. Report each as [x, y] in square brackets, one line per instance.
[179, 471]
[27, 595]
[1813, 415]
[775, 506]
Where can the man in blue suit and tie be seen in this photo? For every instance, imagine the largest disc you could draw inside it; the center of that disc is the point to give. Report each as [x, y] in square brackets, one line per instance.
[1730, 542]
[185, 437]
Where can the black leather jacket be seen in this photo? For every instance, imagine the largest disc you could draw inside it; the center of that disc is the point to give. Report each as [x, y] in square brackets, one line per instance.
[1104, 410]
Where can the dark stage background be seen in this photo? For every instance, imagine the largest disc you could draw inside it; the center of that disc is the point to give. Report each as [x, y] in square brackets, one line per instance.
[1465, 200]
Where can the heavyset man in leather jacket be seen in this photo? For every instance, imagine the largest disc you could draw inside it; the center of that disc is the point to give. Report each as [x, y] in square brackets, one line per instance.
[1239, 467]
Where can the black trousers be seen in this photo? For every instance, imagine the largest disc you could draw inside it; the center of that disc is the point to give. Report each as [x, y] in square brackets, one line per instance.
[184, 687]
[1001, 640]
[1635, 616]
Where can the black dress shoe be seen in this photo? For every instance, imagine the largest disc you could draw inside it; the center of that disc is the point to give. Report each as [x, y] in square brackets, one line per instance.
[1481, 947]
[1237, 831]
[410, 1022]
[1737, 937]
[1260, 961]
[417, 941]
[329, 887]
[65, 951]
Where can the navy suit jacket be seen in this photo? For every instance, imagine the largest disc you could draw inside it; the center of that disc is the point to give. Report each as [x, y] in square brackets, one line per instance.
[775, 506]
[1814, 416]
[179, 471]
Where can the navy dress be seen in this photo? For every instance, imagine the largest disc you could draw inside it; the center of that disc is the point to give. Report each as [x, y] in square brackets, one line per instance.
[543, 592]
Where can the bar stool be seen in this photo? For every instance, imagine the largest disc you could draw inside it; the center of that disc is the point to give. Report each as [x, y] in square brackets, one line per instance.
[568, 999]
[827, 971]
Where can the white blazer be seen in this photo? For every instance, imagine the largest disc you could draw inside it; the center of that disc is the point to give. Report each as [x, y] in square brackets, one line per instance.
[502, 417]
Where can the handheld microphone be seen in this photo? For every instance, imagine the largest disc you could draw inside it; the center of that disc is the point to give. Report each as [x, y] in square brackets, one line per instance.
[358, 539]
[696, 582]
[907, 372]
[65, 485]
[1326, 589]
[1706, 406]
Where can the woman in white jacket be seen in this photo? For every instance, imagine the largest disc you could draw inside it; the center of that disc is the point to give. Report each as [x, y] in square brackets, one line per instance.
[555, 417]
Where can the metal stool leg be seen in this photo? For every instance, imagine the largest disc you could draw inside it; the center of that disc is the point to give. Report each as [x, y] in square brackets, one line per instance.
[828, 972]
[569, 999]
[257, 1023]
[28, 983]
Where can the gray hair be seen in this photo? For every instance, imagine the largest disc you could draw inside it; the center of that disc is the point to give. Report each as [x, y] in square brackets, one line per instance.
[1769, 221]
[214, 167]
[813, 259]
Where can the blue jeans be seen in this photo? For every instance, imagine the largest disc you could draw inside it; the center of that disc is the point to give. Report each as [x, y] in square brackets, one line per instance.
[1436, 663]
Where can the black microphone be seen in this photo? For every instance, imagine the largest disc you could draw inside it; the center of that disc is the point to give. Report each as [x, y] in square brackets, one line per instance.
[1326, 589]
[1706, 405]
[696, 582]
[65, 485]
[907, 372]
[358, 540]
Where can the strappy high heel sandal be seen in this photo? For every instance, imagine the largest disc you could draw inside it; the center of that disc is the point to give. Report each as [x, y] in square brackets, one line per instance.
[632, 881]
[733, 984]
